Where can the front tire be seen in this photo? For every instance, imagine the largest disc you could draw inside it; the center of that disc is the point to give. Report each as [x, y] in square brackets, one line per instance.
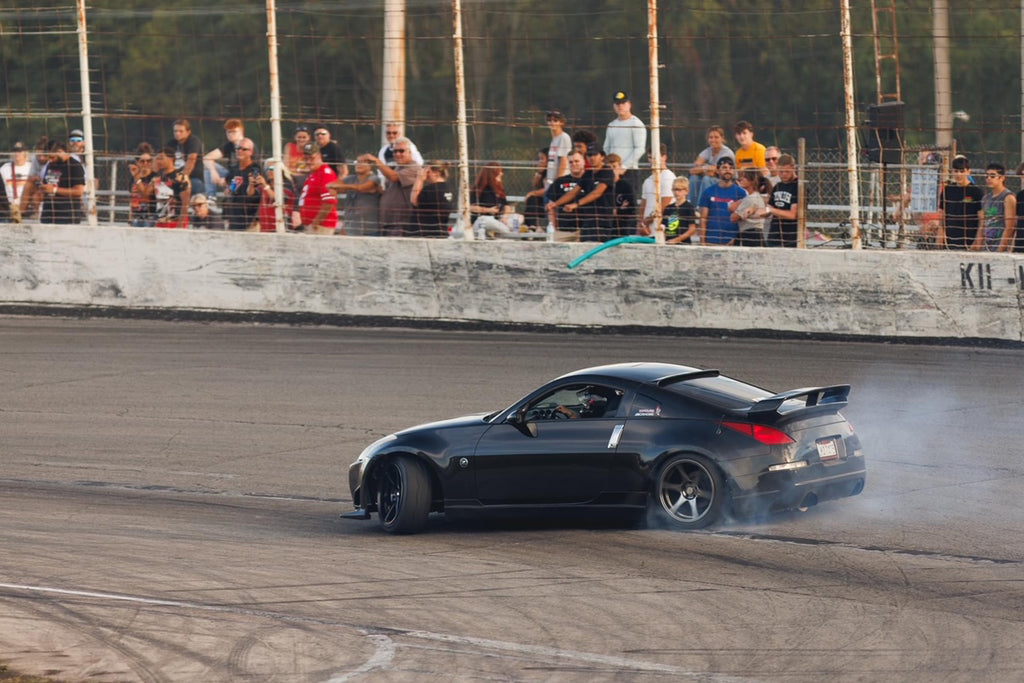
[403, 496]
[689, 492]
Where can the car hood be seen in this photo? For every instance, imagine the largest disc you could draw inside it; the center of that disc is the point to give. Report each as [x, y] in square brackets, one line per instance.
[452, 423]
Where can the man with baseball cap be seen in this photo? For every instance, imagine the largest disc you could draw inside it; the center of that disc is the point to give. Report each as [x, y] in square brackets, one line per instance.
[76, 148]
[715, 224]
[319, 203]
[76, 144]
[626, 136]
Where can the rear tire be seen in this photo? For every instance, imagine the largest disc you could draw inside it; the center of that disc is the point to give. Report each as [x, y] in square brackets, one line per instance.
[403, 496]
[689, 492]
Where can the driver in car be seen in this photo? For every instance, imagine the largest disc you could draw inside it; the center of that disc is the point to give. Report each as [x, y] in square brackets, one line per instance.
[591, 404]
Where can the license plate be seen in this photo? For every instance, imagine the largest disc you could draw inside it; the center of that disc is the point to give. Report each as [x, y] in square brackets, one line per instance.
[827, 449]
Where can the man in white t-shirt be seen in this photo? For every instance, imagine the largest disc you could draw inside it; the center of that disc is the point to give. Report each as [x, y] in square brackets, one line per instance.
[626, 137]
[15, 175]
[649, 198]
[559, 149]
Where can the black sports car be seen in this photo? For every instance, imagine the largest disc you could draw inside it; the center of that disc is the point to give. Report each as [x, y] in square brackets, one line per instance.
[689, 445]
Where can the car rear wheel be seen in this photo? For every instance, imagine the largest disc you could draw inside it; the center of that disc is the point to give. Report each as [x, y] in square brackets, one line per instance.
[689, 492]
[403, 496]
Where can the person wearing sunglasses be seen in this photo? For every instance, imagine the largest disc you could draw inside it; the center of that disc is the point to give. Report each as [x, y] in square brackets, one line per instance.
[396, 210]
[392, 132]
[242, 196]
[234, 131]
[330, 151]
[143, 192]
[771, 162]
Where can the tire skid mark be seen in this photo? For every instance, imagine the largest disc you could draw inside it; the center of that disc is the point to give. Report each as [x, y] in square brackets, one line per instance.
[544, 652]
[137, 663]
[383, 638]
[795, 540]
[381, 659]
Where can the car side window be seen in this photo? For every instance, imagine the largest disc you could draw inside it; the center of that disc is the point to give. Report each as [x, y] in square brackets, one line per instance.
[645, 406]
[576, 401]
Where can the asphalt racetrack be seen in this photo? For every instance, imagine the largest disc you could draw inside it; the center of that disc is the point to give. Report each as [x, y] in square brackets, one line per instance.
[170, 494]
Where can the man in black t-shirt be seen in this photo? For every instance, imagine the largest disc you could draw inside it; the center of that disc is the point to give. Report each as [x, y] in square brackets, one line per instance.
[960, 206]
[188, 155]
[782, 205]
[561, 191]
[594, 199]
[330, 151]
[173, 191]
[234, 131]
[62, 186]
[242, 195]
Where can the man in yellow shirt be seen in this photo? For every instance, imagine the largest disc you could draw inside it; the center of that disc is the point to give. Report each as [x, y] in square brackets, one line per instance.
[749, 154]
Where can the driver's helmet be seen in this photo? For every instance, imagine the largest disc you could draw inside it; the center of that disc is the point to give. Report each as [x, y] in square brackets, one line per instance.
[593, 403]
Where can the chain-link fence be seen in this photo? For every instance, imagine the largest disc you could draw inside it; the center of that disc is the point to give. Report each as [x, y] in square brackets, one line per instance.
[892, 198]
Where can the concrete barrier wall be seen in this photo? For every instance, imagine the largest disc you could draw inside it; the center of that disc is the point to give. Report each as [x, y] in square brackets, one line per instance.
[869, 293]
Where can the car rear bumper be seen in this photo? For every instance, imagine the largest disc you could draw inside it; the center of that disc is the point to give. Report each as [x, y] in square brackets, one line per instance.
[802, 488]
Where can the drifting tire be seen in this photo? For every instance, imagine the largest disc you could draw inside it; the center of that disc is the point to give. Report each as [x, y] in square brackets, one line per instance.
[689, 492]
[403, 496]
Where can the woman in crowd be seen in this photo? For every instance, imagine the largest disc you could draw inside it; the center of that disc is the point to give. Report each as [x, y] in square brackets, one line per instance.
[432, 198]
[295, 162]
[143, 191]
[362, 200]
[488, 202]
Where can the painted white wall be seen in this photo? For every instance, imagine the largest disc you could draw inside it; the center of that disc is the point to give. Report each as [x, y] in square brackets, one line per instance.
[874, 293]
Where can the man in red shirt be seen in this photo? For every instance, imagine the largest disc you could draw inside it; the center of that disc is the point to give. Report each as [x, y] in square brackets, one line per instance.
[319, 203]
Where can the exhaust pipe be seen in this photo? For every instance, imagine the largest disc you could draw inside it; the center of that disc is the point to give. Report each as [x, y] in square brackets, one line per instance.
[809, 501]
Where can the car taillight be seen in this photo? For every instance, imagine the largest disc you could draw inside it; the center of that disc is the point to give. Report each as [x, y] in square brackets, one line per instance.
[769, 436]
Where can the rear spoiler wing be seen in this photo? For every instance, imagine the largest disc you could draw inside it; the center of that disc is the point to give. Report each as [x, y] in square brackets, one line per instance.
[835, 396]
[686, 376]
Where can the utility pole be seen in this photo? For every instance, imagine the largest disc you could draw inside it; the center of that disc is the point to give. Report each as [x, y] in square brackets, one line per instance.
[852, 174]
[653, 66]
[275, 116]
[943, 90]
[463, 133]
[393, 79]
[90, 151]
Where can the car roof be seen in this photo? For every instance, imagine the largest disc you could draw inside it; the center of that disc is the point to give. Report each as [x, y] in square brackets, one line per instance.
[645, 373]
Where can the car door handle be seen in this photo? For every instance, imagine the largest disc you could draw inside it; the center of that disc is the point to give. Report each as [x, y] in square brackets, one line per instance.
[613, 442]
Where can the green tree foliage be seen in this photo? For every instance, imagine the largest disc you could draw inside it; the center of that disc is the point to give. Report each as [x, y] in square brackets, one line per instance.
[776, 63]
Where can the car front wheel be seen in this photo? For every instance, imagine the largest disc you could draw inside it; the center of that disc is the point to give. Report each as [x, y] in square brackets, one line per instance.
[403, 496]
[689, 492]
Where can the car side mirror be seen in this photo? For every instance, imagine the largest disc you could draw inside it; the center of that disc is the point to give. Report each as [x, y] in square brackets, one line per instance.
[518, 420]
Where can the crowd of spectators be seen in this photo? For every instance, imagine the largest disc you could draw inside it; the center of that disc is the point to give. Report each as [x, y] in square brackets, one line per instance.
[582, 190]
